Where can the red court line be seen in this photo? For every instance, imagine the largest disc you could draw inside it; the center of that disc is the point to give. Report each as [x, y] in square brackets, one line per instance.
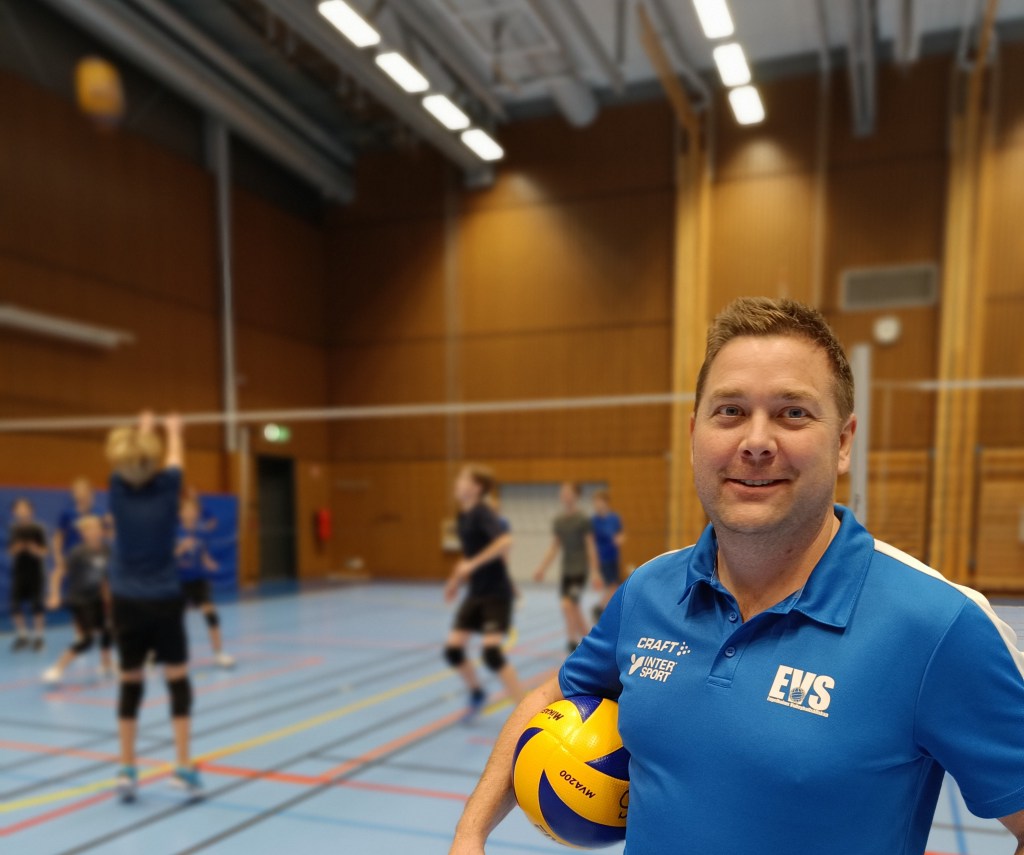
[160, 700]
[313, 780]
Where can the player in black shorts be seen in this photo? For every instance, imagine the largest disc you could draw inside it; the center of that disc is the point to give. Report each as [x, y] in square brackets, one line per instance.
[26, 547]
[486, 609]
[85, 570]
[149, 612]
[195, 564]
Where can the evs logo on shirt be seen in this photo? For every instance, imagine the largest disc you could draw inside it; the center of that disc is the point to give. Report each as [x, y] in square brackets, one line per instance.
[802, 690]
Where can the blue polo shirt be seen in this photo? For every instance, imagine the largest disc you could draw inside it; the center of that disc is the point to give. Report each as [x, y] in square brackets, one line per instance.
[825, 722]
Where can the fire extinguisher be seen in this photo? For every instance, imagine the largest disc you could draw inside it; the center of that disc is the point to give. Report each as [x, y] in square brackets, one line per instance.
[322, 524]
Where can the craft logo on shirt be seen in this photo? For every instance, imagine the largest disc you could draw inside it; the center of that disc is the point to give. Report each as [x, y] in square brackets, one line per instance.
[802, 690]
[657, 668]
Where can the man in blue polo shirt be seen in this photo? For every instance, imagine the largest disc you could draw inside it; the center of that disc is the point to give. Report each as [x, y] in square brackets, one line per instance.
[788, 681]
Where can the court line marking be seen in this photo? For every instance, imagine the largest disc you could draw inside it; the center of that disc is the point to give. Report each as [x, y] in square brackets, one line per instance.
[109, 784]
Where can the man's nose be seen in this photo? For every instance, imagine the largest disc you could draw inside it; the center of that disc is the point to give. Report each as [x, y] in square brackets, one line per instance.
[759, 439]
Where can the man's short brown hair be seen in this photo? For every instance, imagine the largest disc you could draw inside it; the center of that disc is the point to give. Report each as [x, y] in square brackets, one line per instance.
[766, 316]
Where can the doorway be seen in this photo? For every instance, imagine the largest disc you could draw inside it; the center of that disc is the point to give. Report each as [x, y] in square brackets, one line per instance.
[275, 481]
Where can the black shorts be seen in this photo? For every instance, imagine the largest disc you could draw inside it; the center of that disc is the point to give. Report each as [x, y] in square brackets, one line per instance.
[573, 587]
[610, 572]
[27, 587]
[196, 593]
[150, 626]
[90, 617]
[484, 615]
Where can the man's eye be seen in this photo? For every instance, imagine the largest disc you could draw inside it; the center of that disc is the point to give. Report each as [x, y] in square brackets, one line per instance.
[795, 413]
[729, 410]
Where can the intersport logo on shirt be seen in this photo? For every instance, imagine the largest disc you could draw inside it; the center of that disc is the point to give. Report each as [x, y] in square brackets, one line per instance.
[657, 668]
[802, 690]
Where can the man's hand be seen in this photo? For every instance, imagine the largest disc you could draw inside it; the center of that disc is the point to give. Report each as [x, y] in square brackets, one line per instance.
[147, 421]
[451, 588]
[538, 574]
[53, 601]
[173, 423]
[598, 582]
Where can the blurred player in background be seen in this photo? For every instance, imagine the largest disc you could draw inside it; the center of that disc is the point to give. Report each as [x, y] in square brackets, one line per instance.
[194, 567]
[149, 611]
[574, 539]
[67, 535]
[608, 538]
[87, 596]
[26, 547]
[486, 609]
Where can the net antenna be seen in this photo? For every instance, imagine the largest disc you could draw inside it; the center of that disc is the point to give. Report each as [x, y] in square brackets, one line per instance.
[860, 364]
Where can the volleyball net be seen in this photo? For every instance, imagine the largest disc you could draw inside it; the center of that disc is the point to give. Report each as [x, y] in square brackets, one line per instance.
[384, 473]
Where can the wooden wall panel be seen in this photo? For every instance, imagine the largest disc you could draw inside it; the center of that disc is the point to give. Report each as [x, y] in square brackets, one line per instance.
[387, 282]
[762, 238]
[602, 262]
[628, 148]
[999, 548]
[110, 206]
[279, 270]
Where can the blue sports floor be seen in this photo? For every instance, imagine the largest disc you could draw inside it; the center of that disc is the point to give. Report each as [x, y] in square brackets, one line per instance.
[338, 731]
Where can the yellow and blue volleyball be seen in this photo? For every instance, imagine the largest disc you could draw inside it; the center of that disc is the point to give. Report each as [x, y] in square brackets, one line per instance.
[571, 773]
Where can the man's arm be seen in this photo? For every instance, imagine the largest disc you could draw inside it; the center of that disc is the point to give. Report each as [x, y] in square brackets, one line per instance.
[595, 572]
[493, 799]
[468, 566]
[546, 561]
[1015, 822]
[174, 429]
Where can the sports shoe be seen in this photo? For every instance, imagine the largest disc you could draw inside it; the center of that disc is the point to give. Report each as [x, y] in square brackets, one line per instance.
[19, 643]
[38, 643]
[475, 706]
[52, 675]
[127, 784]
[188, 780]
[224, 660]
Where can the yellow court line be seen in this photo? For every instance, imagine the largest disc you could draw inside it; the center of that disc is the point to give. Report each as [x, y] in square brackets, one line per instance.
[238, 747]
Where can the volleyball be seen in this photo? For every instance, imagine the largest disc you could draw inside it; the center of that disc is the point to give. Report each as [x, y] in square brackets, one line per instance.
[571, 773]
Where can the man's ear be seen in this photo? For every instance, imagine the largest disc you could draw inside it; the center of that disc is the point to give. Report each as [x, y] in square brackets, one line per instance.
[846, 443]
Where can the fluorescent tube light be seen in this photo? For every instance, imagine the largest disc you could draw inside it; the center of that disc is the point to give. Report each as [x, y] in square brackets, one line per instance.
[349, 23]
[442, 108]
[403, 72]
[732, 64]
[715, 19]
[26, 320]
[483, 145]
[746, 105]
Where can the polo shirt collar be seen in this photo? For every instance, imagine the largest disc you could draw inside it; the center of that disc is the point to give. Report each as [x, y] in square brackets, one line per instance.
[831, 591]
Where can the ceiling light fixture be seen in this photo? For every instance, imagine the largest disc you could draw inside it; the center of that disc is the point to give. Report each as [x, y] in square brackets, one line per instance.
[732, 64]
[442, 108]
[746, 105]
[403, 72]
[66, 329]
[714, 17]
[349, 23]
[483, 145]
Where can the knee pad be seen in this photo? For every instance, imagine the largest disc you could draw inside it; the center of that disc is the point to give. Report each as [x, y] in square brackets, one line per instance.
[455, 656]
[180, 692]
[129, 700]
[212, 619]
[494, 658]
[83, 644]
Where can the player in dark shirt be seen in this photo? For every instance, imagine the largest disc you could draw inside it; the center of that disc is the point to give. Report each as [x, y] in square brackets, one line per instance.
[26, 548]
[85, 572]
[487, 606]
[149, 612]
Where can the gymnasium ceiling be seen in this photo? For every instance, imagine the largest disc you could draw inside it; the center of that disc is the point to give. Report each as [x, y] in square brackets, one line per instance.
[280, 76]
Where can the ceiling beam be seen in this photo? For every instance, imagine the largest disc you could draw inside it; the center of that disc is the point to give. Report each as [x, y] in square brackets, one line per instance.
[861, 58]
[305, 21]
[450, 51]
[198, 84]
[677, 95]
[213, 53]
[670, 31]
[593, 42]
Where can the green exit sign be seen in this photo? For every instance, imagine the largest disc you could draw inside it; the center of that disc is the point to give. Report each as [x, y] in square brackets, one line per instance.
[277, 433]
